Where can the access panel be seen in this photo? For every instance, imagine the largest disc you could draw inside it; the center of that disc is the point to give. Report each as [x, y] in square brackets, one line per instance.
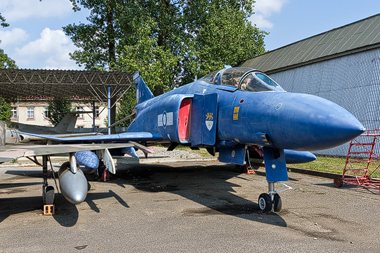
[203, 119]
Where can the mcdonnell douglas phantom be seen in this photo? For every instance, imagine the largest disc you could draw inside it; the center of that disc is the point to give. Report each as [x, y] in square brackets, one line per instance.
[237, 112]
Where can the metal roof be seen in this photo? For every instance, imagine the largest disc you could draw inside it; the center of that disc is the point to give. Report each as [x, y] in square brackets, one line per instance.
[352, 38]
[35, 84]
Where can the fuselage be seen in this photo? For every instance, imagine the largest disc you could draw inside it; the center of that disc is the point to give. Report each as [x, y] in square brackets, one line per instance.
[281, 119]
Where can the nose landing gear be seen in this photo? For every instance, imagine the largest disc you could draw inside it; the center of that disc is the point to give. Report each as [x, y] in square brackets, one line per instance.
[272, 201]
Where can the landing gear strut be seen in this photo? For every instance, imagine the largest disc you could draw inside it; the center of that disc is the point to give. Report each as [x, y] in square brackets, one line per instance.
[47, 191]
[272, 201]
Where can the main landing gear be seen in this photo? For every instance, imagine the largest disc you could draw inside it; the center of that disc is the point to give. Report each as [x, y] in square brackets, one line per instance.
[47, 190]
[272, 201]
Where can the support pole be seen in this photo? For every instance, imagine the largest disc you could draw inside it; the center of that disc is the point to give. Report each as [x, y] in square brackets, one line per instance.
[109, 108]
[44, 170]
[18, 110]
[93, 116]
[113, 114]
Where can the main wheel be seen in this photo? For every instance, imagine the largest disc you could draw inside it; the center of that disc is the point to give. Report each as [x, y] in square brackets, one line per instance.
[338, 182]
[265, 203]
[239, 168]
[101, 168]
[277, 203]
[48, 195]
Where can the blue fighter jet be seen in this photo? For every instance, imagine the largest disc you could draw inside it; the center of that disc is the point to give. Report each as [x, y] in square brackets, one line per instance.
[237, 112]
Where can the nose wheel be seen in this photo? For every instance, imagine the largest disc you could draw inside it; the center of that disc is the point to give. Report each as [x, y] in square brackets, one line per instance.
[266, 204]
[272, 201]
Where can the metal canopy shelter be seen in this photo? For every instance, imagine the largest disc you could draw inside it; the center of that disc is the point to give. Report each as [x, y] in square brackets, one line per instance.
[41, 84]
[28, 83]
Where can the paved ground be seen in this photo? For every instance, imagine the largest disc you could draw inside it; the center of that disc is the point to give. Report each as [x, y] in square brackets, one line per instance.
[198, 206]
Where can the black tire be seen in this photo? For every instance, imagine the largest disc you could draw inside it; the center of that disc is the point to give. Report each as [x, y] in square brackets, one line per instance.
[265, 203]
[48, 195]
[101, 168]
[239, 168]
[338, 182]
[277, 203]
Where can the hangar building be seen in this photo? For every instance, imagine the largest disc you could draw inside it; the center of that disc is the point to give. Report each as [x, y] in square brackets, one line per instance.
[341, 65]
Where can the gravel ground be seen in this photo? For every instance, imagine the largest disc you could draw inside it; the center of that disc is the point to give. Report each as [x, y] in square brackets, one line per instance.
[161, 152]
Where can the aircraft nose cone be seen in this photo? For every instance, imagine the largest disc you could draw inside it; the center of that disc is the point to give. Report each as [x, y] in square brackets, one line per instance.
[314, 123]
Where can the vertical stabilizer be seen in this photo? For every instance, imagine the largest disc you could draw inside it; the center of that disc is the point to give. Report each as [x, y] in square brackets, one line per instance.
[142, 91]
[67, 124]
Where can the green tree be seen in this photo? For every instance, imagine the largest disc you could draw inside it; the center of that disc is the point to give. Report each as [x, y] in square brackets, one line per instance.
[5, 109]
[223, 36]
[58, 107]
[170, 41]
[97, 39]
[6, 62]
[2, 21]
[156, 63]
[125, 108]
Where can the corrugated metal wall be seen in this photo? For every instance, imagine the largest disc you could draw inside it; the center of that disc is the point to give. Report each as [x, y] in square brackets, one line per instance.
[352, 82]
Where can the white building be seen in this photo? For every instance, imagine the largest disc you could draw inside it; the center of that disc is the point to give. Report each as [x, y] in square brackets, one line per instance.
[36, 113]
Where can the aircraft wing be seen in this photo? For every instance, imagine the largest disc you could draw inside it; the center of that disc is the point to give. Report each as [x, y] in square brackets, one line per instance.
[9, 153]
[123, 137]
[74, 135]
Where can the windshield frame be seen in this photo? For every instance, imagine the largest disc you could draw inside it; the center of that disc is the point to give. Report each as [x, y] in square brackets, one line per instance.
[233, 77]
[270, 87]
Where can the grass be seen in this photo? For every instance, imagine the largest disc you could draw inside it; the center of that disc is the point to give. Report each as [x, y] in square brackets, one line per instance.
[332, 164]
[337, 164]
[324, 163]
[203, 152]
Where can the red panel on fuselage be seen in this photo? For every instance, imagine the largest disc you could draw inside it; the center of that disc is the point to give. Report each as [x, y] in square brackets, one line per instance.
[184, 120]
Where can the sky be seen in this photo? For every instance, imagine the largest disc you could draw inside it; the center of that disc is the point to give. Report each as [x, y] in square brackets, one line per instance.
[35, 39]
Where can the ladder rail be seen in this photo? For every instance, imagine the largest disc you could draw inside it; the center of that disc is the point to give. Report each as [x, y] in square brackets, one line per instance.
[363, 152]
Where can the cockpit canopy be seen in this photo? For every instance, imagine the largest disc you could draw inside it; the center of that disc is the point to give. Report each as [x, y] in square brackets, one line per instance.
[245, 79]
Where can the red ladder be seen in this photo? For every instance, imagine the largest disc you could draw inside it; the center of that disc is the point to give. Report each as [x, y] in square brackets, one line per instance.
[362, 161]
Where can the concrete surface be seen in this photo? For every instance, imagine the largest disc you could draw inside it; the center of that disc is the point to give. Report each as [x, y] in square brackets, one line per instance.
[189, 206]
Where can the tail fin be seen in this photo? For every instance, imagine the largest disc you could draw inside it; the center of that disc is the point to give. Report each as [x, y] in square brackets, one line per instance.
[67, 124]
[142, 91]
